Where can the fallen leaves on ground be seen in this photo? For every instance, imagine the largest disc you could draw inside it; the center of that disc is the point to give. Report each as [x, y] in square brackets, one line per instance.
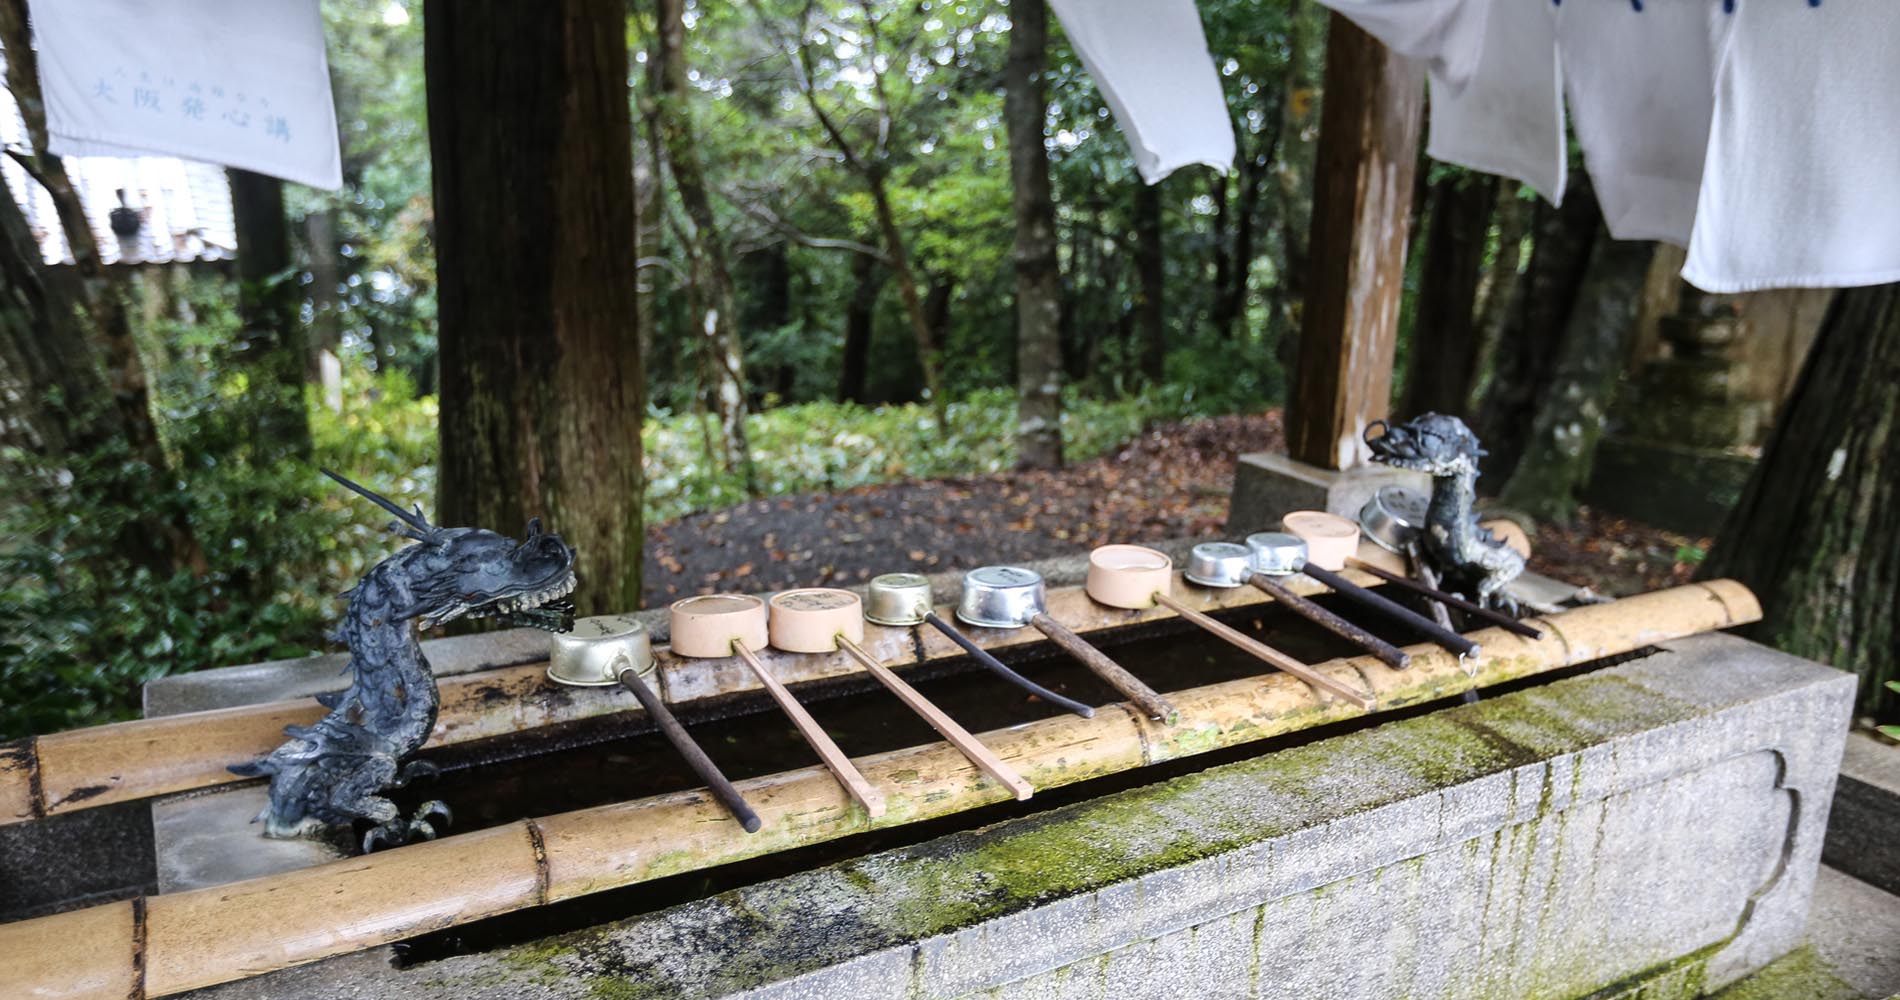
[1170, 482]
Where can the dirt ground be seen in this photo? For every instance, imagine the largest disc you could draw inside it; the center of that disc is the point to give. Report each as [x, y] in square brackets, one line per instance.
[1171, 482]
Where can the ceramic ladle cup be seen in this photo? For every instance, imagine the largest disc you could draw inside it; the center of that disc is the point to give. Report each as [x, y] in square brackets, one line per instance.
[1318, 544]
[824, 620]
[1136, 577]
[903, 600]
[721, 625]
[615, 649]
[1011, 597]
[1225, 565]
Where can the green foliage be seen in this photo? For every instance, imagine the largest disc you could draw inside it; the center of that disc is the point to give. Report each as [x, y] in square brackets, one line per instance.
[82, 628]
[824, 446]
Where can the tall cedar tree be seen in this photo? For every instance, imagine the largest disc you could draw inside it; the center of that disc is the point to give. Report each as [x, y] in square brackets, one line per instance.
[1815, 534]
[70, 347]
[1444, 355]
[535, 228]
[273, 351]
[707, 252]
[1038, 277]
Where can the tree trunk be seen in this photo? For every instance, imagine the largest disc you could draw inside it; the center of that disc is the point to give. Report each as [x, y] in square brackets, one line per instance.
[102, 294]
[1230, 303]
[323, 365]
[1499, 286]
[1569, 422]
[1815, 534]
[1292, 199]
[542, 392]
[767, 274]
[1038, 275]
[706, 244]
[72, 350]
[1527, 350]
[1444, 351]
[860, 321]
[898, 253]
[1220, 250]
[1151, 269]
[271, 347]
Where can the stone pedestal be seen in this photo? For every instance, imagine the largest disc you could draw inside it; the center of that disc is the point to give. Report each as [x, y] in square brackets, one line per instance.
[1647, 830]
[1269, 484]
[1687, 425]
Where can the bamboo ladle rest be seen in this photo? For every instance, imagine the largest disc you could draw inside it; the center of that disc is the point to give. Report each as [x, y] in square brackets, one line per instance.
[1227, 565]
[825, 620]
[1325, 542]
[615, 649]
[1136, 577]
[903, 600]
[1011, 597]
[722, 625]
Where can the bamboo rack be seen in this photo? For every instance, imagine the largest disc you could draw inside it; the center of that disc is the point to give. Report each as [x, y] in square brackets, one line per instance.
[101, 765]
[167, 944]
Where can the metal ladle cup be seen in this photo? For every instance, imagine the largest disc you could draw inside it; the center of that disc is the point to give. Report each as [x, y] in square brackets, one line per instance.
[1277, 553]
[903, 600]
[1224, 565]
[615, 649]
[1011, 597]
[1135, 577]
[824, 619]
[722, 625]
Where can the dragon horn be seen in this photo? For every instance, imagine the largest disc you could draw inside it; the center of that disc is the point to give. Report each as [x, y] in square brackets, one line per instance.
[412, 518]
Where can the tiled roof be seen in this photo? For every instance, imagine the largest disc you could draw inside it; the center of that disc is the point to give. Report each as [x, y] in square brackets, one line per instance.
[184, 207]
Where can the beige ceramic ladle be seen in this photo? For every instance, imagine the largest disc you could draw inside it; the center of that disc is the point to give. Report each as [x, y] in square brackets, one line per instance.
[824, 620]
[1136, 577]
[721, 625]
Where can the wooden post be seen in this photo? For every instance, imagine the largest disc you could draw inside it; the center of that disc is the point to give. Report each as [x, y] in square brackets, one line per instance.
[1362, 194]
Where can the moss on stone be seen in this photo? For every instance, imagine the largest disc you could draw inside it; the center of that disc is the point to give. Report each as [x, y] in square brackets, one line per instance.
[1800, 973]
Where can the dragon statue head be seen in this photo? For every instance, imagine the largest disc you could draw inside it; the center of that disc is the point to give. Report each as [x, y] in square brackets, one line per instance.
[473, 572]
[1432, 443]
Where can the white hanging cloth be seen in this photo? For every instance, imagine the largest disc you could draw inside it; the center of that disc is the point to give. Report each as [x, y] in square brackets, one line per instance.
[1802, 186]
[1149, 58]
[242, 83]
[1764, 135]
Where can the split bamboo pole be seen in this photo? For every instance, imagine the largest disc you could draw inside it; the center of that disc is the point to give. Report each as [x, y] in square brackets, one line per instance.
[171, 943]
[101, 765]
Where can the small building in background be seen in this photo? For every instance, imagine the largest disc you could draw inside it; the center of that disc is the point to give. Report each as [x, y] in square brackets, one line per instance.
[182, 208]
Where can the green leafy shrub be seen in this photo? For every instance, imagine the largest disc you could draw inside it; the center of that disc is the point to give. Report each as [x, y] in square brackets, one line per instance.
[82, 627]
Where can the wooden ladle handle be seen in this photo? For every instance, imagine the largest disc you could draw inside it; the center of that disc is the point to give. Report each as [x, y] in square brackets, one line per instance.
[1388, 654]
[1397, 612]
[997, 667]
[959, 737]
[808, 727]
[1131, 687]
[1262, 651]
[689, 748]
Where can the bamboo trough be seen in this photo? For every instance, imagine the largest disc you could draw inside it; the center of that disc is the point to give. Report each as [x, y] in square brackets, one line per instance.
[122, 762]
[167, 944]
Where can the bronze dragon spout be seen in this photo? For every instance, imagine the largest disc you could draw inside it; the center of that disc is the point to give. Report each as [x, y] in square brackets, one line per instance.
[1470, 558]
[334, 772]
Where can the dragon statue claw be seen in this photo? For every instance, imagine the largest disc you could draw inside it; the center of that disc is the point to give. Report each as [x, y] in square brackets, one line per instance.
[332, 773]
[1467, 556]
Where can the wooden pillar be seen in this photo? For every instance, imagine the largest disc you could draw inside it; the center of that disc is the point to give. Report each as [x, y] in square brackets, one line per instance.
[1362, 194]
